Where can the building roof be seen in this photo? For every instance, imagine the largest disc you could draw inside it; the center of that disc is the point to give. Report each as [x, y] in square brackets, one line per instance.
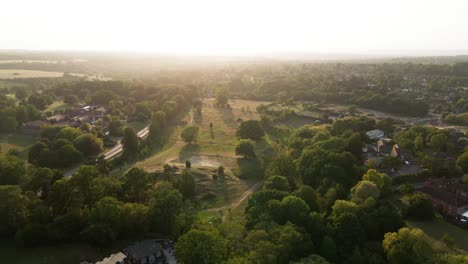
[112, 259]
[143, 249]
[376, 133]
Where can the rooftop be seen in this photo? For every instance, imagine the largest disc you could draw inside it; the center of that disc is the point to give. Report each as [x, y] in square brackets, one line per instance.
[112, 259]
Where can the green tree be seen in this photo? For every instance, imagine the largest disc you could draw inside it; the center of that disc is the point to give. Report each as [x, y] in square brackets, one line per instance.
[245, 147]
[157, 126]
[420, 207]
[136, 183]
[438, 142]
[355, 144]
[364, 190]
[462, 161]
[278, 183]
[129, 143]
[409, 246]
[189, 134]
[88, 144]
[222, 97]
[201, 247]
[186, 184]
[250, 129]
[165, 205]
[13, 209]
[115, 126]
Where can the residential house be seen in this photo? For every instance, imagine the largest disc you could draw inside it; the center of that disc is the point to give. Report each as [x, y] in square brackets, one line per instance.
[448, 196]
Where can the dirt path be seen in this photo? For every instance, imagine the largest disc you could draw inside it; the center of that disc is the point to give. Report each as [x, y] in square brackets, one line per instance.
[257, 186]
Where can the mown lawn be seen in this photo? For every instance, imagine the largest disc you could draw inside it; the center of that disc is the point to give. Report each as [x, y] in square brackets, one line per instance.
[438, 227]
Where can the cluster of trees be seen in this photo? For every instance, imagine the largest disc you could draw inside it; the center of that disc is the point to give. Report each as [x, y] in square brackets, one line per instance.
[40, 206]
[460, 119]
[63, 146]
[319, 205]
[13, 115]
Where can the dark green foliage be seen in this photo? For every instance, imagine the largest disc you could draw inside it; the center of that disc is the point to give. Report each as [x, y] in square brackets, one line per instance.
[129, 143]
[186, 184]
[420, 207]
[202, 247]
[251, 129]
[190, 134]
[278, 183]
[246, 148]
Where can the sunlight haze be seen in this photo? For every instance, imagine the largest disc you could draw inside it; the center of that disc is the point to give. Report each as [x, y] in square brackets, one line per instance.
[234, 27]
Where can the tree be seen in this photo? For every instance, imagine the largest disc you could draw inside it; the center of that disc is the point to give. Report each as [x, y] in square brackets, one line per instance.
[309, 195]
[381, 180]
[129, 143]
[389, 162]
[420, 207]
[186, 184]
[251, 129]
[70, 99]
[277, 182]
[364, 190]
[135, 185]
[189, 134]
[222, 97]
[355, 144]
[88, 144]
[157, 126]
[438, 142]
[13, 209]
[188, 164]
[328, 249]
[312, 259]
[245, 147]
[201, 247]
[462, 161]
[115, 126]
[164, 207]
[409, 246]
[291, 208]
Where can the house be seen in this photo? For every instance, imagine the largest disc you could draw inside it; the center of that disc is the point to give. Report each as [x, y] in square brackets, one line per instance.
[375, 134]
[448, 196]
[148, 251]
[32, 128]
[117, 258]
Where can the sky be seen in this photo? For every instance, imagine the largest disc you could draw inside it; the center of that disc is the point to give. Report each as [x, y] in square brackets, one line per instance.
[236, 26]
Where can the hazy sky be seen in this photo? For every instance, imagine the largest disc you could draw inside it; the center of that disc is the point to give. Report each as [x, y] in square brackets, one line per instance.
[236, 26]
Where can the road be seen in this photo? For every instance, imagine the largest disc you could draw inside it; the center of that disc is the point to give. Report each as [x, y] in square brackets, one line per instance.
[111, 153]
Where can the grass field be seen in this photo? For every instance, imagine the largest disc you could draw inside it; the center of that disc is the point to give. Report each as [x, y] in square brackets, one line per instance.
[438, 227]
[214, 147]
[16, 74]
[58, 106]
[16, 141]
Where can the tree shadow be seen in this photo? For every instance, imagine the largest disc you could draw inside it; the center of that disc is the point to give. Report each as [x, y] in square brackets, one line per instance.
[228, 116]
[212, 135]
[189, 151]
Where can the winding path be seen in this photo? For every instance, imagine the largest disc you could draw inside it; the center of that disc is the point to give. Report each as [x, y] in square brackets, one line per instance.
[257, 186]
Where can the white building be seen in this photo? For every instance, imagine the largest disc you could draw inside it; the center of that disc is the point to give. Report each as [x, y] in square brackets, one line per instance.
[375, 134]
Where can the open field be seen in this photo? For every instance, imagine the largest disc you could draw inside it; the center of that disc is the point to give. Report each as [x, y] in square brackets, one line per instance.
[17, 74]
[58, 106]
[214, 148]
[16, 141]
[438, 227]
[219, 141]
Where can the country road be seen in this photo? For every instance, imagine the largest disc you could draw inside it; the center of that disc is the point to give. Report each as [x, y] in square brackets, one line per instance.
[111, 153]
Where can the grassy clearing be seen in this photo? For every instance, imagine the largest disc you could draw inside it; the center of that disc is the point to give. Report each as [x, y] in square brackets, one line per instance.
[214, 147]
[438, 227]
[11, 84]
[18, 142]
[18, 74]
[58, 106]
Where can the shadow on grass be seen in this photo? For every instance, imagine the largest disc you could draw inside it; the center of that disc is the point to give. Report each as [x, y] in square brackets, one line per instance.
[188, 151]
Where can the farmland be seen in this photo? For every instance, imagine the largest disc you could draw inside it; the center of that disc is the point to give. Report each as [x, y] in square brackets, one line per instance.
[18, 74]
